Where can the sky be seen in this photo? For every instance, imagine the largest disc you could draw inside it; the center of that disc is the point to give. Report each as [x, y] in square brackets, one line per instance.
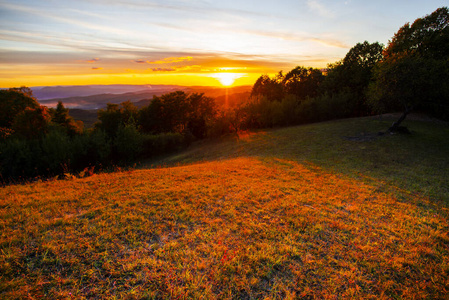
[195, 42]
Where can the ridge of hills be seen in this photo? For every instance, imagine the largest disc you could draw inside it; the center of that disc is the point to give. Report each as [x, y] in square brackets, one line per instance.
[97, 96]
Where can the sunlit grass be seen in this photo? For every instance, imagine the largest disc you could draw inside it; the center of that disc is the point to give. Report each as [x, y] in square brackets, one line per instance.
[250, 225]
[418, 163]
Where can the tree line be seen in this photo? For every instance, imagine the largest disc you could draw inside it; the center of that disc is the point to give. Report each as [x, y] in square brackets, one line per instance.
[411, 73]
[40, 141]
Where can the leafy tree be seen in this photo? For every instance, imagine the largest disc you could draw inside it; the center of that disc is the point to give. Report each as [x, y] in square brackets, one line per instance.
[201, 111]
[271, 88]
[115, 116]
[32, 122]
[129, 112]
[109, 119]
[178, 112]
[353, 74]
[129, 142]
[415, 71]
[61, 117]
[14, 101]
[303, 82]
[426, 37]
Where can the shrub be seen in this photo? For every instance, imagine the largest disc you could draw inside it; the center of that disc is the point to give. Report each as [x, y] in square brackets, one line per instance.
[128, 143]
[163, 143]
[19, 159]
[57, 152]
[98, 149]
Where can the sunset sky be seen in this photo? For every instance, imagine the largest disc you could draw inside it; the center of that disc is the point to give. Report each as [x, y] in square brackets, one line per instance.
[52, 42]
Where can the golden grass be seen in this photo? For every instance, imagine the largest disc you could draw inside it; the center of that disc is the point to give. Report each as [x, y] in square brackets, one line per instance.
[242, 228]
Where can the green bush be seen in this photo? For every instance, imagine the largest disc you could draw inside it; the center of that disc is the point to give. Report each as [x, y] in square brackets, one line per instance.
[57, 152]
[18, 159]
[98, 148]
[163, 143]
[128, 143]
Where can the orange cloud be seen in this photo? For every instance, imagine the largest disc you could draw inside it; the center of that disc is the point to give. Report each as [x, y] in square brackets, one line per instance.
[188, 68]
[96, 68]
[169, 60]
[93, 60]
[163, 69]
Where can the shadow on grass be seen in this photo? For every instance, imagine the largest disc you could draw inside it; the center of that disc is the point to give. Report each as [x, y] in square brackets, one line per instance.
[416, 162]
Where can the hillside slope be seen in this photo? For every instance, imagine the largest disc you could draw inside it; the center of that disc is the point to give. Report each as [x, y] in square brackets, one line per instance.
[418, 162]
[298, 212]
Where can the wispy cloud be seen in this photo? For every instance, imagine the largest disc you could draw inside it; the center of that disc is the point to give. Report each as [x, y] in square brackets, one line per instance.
[97, 68]
[64, 19]
[170, 60]
[330, 42]
[298, 37]
[163, 69]
[93, 60]
[318, 7]
[205, 8]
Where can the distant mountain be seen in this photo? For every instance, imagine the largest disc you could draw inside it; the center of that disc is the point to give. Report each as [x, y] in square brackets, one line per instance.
[100, 100]
[52, 92]
[87, 97]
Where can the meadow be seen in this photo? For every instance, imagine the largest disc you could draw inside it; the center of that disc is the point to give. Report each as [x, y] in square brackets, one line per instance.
[322, 211]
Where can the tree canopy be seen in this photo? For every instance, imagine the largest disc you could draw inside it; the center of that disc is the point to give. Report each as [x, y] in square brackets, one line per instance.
[178, 112]
[14, 101]
[415, 71]
[426, 37]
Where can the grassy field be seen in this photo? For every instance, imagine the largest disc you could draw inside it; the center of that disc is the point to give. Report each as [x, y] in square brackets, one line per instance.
[325, 211]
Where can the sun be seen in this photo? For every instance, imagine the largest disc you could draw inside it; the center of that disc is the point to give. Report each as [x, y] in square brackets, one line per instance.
[226, 79]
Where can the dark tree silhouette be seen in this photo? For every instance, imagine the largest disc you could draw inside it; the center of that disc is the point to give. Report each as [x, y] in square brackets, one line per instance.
[12, 102]
[353, 74]
[178, 112]
[32, 122]
[115, 116]
[271, 88]
[61, 117]
[415, 71]
[303, 82]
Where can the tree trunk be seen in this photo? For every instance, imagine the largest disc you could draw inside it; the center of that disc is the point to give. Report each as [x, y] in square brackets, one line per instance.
[395, 126]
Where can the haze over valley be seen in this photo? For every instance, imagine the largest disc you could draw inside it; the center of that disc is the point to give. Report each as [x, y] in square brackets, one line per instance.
[91, 97]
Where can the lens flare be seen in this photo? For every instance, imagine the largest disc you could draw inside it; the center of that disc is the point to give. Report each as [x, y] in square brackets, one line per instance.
[226, 79]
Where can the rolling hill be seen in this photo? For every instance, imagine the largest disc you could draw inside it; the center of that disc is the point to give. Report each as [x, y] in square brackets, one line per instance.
[327, 210]
[96, 97]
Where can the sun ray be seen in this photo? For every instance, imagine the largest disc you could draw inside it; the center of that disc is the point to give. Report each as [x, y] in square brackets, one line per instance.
[226, 79]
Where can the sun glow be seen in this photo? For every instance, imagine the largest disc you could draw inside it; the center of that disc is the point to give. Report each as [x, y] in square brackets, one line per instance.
[226, 79]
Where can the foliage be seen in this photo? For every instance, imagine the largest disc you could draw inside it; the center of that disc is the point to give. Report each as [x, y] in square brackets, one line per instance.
[163, 143]
[426, 37]
[270, 88]
[115, 116]
[96, 148]
[415, 72]
[32, 122]
[303, 82]
[56, 153]
[18, 159]
[14, 101]
[300, 82]
[225, 122]
[353, 75]
[177, 112]
[61, 117]
[407, 82]
[128, 142]
[53, 154]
